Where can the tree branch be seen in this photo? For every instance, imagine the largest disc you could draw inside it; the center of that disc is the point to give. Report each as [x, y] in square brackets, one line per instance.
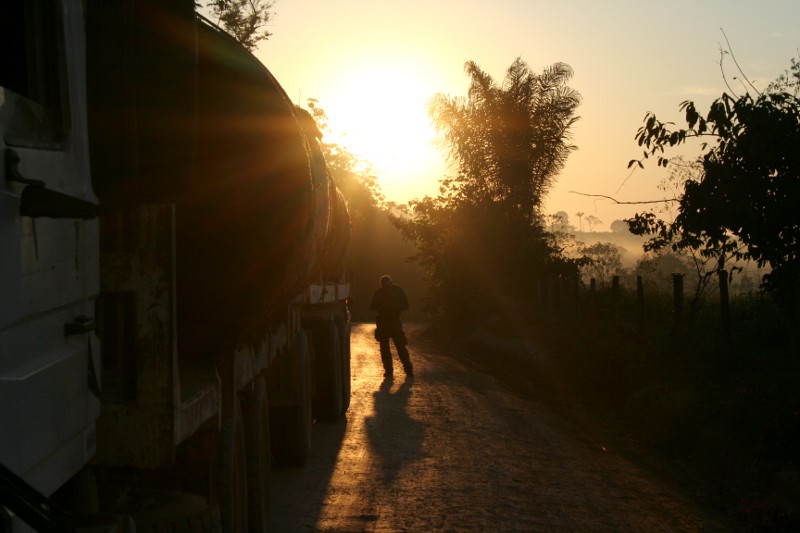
[735, 62]
[640, 202]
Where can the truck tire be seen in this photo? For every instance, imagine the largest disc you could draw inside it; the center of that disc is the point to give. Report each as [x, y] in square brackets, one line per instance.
[327, 372]
[170, 511]
[255, 409]
[291, 424]
[230, 473]
[343, 327]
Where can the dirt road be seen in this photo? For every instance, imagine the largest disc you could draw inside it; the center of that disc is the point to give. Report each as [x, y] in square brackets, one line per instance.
[453, 451]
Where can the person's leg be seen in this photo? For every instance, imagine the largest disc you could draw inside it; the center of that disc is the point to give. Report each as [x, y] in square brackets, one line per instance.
[400, 343]
[386, 358]
[402, 352]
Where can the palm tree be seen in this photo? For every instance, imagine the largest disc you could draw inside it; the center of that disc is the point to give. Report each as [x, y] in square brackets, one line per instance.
[509, 141]
[506, 143]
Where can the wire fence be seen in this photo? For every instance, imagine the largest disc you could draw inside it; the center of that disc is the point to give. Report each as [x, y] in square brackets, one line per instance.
[683, 314]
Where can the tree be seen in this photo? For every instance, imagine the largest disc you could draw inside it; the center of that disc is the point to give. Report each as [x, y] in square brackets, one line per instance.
[744, 204]
[657, 268]
[508, 142]
[619, 226]
[483, 240]
[353, 175]
[244, 19]
[560, 223]
[593, 221]
[580, 214]
[604, 261]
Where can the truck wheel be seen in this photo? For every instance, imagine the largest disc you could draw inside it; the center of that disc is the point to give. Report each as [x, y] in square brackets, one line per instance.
[230, 479]
[255, 409]
[343, 327]
[328, 372]
[291, 424]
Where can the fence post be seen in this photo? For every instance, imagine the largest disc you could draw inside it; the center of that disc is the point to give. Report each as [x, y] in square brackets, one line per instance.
[724, 303]
[639, 303]
[560, 295]
[677, 302]
[540, 292]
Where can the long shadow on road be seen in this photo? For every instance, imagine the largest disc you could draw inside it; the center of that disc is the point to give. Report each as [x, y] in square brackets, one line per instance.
[393, 436]
[371, 446]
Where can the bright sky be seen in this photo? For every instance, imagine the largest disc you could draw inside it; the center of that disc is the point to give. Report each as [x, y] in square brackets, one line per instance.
[373, 65]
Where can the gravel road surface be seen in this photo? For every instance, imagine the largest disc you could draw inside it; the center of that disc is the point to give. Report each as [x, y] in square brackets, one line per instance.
[452, 450]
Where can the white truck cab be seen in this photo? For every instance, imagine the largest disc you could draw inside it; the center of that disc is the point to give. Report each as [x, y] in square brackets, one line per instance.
[49, 355]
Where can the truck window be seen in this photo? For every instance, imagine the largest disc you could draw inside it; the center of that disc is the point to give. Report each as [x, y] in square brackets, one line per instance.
[32, 99]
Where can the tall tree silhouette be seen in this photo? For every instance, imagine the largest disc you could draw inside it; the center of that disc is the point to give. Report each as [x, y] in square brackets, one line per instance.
[483, 240]
[744, 205]
[508, 141]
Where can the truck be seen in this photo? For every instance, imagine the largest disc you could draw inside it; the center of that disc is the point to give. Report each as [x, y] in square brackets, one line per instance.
[174, 272]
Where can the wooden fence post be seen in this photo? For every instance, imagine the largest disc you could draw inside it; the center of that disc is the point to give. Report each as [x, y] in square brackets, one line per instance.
[677, 302]
[557, 295]
[724, 303]
[639, 304]
[540, 292]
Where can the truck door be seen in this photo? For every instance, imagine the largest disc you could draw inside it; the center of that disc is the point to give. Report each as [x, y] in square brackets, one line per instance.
[49, 356]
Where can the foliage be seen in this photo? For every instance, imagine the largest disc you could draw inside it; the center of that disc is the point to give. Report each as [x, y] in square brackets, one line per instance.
[604, 261]
[560, 223]
[353, 175]
[482, 241]
[681, 171]
[745, 203]
[657, 267]
[580, 214]
[592, 221]
[724, 409]
[508, 142]
[619, 226]
[789, 81]
[244, 19]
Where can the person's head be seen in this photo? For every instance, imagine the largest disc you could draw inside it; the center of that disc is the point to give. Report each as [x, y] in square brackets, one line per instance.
[386, 281]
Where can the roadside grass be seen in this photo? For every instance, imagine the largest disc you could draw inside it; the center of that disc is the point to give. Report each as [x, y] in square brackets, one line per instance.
[717, 416]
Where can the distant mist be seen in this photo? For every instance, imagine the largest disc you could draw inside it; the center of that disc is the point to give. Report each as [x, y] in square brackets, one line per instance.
[630, 245]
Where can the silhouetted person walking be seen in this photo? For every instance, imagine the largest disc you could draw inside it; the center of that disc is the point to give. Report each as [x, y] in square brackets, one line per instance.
[389, 301]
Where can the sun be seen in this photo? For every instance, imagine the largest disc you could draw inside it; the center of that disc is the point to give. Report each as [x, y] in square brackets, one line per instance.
[379, 114]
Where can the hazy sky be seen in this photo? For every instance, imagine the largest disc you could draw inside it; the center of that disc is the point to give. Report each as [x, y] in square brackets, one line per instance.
[374, 64]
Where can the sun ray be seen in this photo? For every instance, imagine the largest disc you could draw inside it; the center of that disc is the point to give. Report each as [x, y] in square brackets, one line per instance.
[380, 115]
